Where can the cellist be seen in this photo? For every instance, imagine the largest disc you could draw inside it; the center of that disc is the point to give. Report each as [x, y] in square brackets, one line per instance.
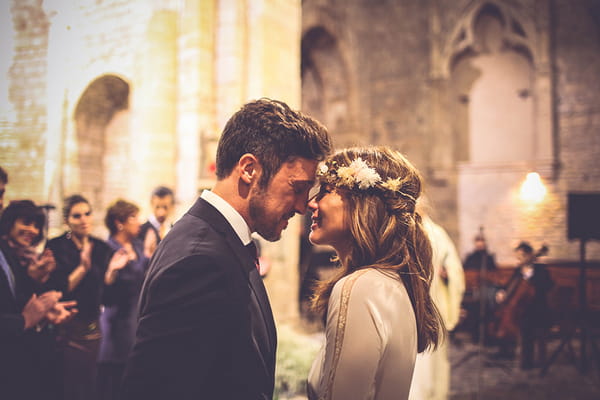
[522, 307]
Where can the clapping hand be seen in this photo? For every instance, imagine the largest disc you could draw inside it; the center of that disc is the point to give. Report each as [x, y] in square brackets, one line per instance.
[62, 312]
[150, 243]
[118, 261]
[38, 306]
[86, 254]
[39, 269]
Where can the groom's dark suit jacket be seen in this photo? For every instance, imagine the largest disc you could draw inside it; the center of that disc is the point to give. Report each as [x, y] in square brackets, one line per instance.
[205, 329]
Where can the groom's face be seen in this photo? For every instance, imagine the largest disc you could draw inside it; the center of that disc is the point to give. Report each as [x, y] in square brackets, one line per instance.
[285, 195]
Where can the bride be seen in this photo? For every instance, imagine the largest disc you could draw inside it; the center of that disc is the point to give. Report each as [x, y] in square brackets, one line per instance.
[379, 313]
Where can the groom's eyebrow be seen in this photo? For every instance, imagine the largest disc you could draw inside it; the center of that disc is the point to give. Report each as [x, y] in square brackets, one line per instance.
[301, 185]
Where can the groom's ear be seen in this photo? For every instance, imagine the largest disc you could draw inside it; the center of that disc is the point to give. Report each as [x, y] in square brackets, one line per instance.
[249, 168]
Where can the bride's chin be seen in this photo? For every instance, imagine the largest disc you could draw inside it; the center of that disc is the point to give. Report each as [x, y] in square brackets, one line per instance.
[314, 238]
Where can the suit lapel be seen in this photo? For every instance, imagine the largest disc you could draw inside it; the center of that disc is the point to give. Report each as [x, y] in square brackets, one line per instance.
[202, 209]
[258, 286]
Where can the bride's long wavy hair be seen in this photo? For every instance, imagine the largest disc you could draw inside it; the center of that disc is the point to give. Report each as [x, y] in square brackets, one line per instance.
[387, 233]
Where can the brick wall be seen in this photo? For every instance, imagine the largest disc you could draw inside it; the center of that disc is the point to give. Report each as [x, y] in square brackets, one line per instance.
[577, 52]
[22, 151]
[391, 49]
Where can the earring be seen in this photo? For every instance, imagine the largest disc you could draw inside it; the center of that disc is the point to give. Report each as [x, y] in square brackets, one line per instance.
[69, 234]
[120, 227]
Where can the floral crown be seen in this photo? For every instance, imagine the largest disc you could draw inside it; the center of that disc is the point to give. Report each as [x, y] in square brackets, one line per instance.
[358, 176]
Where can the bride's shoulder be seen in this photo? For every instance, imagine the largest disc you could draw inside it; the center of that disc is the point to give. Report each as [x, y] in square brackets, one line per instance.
[364, 278]
[371, 273]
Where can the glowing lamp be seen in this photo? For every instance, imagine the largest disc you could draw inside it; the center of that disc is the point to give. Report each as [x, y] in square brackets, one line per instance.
[532, 189]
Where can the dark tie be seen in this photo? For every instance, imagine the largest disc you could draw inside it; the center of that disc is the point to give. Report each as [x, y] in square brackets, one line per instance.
[251, 247]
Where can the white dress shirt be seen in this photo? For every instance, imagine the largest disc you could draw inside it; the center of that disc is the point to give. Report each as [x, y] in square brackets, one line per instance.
[237, 222]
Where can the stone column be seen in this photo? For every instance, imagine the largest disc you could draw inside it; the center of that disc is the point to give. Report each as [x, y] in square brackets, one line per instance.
[440, 155]
[258, 55]
[196, 109]
[154, 109]
[231, 58]
[274, 29]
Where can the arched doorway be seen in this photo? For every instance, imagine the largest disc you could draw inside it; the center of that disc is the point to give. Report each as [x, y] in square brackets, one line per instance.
[102, 134]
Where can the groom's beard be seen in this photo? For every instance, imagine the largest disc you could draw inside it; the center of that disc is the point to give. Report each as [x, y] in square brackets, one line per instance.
[266, 225]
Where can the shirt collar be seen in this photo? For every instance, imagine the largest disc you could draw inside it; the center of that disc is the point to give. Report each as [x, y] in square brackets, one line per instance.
[153, 221]
[234, 218]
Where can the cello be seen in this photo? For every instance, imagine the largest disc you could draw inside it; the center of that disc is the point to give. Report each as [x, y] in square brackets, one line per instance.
[520, 293]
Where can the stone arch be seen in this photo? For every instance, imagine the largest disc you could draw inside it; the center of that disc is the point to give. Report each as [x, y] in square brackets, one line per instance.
[101, 124]
[513, 95]
[491, 87]
[518, 32]
[327, 92]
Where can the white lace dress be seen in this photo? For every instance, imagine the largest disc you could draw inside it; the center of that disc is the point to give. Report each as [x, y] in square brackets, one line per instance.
[371, 340]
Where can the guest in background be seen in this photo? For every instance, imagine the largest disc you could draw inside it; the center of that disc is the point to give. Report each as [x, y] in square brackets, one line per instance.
[476, 286]
[158, 224]
[523, 308]
[119, 319]
[29, 310]
[431, 379]
[475, 259]
[82, 261]
[3, 183]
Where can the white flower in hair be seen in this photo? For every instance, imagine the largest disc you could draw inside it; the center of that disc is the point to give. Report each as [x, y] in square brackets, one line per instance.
[364, 175]
[323, 169]
[346, 176]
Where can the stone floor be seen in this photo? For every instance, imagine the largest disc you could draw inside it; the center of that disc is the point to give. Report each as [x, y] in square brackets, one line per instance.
[475, 375]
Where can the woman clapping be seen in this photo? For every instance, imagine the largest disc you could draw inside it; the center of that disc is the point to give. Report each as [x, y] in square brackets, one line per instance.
[82, 261]
[118, 321]
[29, 306]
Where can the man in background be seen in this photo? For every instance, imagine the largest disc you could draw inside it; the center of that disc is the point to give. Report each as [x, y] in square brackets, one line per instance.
[475, 259]
[154, 230]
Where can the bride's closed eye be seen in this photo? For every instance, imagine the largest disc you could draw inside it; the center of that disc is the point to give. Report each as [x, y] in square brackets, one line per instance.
[322, 191]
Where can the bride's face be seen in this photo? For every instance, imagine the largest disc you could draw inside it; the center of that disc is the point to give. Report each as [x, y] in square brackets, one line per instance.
[328, 217]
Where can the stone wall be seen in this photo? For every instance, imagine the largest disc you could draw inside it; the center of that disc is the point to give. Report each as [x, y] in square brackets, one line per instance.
[399, 58]
[376, 71]
[22, 145]
[577, 55]
[112, 98]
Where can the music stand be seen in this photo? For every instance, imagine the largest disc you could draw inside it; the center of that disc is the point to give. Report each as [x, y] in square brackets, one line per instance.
[581, 322]
[583, 224]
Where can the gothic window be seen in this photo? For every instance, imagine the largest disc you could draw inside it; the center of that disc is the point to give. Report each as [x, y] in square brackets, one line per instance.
[492, 83]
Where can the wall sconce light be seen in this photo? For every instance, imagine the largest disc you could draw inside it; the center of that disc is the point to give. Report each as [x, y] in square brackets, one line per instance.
[532, 189]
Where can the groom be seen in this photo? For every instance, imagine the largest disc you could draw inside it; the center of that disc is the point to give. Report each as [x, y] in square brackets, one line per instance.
[205, 327]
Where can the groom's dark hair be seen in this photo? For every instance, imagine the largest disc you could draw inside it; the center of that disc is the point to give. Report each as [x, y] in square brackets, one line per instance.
[274, 134]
